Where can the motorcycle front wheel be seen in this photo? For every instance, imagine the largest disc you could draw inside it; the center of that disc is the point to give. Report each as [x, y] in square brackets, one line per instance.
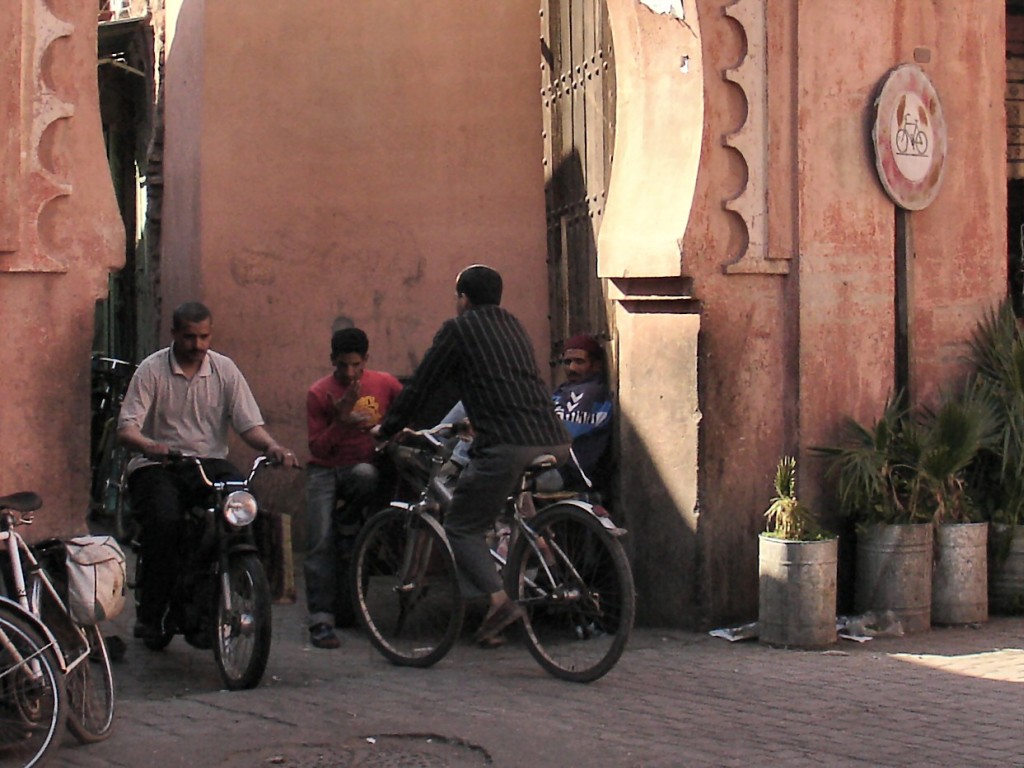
[241, 644]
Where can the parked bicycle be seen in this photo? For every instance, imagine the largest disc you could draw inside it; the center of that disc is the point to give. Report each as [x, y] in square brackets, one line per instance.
[108, 504]
[565, 565]
[36, 578]
[33, 704]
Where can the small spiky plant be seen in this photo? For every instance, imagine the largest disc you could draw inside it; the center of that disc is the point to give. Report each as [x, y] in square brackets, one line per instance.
[787, 517]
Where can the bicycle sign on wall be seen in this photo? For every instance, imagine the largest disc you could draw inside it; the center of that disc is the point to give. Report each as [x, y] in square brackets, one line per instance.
[910, 138]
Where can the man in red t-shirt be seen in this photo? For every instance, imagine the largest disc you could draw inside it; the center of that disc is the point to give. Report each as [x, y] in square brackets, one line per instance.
[340, 411]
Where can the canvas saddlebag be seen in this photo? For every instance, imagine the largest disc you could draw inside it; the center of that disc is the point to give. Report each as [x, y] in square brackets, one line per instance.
[96, 578]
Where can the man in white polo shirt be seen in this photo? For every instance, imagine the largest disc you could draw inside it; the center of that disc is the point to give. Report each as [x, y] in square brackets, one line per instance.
[182, 399]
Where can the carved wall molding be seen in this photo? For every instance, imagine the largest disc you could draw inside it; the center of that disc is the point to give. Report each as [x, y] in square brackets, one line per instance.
[752, 141]
[40, 184]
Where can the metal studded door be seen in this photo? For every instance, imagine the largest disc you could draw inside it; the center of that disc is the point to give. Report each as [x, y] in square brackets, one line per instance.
[578, 94]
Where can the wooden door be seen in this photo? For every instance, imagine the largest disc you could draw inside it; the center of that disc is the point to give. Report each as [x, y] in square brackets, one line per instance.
[578, 95]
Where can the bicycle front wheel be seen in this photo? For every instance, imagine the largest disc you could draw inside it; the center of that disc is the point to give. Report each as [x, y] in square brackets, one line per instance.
[577, 588]
[33, 708]
[405, 588]
[90, 687]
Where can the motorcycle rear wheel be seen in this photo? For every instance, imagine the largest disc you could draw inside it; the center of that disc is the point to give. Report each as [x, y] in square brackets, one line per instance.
[241, 644]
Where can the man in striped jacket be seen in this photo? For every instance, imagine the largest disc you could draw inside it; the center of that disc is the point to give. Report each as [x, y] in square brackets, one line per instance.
[487, 353]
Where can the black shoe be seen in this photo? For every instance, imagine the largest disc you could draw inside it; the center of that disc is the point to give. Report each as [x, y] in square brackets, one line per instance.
[322, 636]
[144, 631]
[116, 649]
[201, 640]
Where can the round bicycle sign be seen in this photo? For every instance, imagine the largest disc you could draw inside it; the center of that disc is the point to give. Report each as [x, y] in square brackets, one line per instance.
[909, 137]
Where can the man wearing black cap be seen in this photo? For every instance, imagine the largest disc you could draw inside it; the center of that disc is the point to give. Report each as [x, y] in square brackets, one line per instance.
[340, 410]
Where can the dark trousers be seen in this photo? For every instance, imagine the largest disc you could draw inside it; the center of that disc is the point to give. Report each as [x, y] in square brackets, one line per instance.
[160, 497]
[480, 496]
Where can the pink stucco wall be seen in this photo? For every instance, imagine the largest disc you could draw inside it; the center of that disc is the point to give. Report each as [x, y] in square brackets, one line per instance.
[345, 165]
[325, 166]
[787, 357]
[59, 234]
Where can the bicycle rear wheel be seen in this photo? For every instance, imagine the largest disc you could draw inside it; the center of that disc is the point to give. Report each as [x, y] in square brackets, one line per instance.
[115, 497]
[405, 587]
[577, 589]
[32, 695]
[90, 687]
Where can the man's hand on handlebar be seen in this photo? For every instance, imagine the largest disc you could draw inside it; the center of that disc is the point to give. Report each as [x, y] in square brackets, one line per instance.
[155, 451]
[283, 456]
[379, 443]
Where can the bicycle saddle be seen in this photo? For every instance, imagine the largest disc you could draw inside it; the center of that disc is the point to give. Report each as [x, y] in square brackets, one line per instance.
[544, 461]
[25, 501]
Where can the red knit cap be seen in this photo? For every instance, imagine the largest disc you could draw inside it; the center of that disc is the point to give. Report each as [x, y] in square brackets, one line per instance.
[587, 343]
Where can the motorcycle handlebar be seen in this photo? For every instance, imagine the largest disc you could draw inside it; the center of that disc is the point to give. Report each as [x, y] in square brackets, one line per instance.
[177, 457]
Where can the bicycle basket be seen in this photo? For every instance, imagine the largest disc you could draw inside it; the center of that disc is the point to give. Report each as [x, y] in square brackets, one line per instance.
[96, 578]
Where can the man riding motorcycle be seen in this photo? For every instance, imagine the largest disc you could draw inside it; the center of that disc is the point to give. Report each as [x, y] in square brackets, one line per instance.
[182, 399]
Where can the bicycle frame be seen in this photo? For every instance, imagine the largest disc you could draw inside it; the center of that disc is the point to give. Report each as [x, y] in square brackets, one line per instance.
[31, 592]
[435, 498]
[39, 626]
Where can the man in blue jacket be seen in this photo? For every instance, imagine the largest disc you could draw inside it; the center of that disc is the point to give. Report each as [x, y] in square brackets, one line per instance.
[584, 404]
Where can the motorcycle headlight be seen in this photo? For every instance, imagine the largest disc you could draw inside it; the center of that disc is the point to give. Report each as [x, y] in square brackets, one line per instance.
[240, 508]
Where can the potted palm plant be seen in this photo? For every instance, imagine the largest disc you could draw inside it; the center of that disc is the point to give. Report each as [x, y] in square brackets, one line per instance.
[874, 472]
[996, 480]
[953, 436]
[797, 564]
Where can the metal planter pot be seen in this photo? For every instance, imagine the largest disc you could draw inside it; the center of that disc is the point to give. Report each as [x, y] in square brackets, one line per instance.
[797, 592]
[960, 574]
[894, 573]
[1006, 569]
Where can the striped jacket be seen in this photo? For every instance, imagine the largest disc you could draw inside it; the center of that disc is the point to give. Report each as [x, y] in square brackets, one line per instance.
[488, 354]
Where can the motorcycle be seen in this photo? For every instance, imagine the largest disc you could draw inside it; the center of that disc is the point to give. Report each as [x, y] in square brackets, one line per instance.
[221, 597]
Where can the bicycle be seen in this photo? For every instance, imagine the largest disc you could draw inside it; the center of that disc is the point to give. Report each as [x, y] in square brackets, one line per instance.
[33, 711]
[565, 566]
[911, 136]
[81, 651]
[109, 463]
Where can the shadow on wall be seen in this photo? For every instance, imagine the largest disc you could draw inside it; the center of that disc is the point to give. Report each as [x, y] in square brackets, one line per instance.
[661, 542]
[648, 496]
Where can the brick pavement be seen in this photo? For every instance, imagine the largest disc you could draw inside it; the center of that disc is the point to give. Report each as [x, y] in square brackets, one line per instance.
[949, 697]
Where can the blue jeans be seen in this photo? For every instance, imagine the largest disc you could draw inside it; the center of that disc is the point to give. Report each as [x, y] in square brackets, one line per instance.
[330, 531]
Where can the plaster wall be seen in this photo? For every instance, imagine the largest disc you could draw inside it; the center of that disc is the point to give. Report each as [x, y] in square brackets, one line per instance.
[328, 167]
[60, 233]
[336, 168]
[786, 356]
[780, 235]
[180, 273]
